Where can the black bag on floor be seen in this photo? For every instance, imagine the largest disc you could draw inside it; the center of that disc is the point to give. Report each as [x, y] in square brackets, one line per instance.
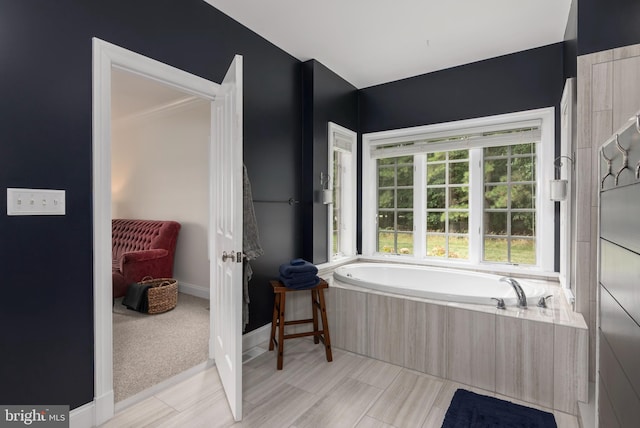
[136, 297]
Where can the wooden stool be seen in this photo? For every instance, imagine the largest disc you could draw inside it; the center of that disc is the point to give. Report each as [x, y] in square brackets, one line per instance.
[317, 302]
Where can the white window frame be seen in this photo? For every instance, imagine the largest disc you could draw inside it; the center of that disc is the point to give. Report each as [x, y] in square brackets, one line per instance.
[545, 240]
[344, 140]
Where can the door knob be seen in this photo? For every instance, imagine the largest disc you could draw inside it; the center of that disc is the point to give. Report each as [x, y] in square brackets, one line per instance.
[226, 256]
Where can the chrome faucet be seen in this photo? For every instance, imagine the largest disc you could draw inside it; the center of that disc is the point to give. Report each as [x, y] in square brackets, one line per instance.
[522, 299]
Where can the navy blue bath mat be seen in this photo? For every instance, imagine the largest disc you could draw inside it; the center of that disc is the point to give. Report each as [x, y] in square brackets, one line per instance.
[470, 410]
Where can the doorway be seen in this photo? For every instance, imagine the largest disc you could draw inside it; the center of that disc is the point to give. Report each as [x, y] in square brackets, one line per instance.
[160, 171]
[226, 119]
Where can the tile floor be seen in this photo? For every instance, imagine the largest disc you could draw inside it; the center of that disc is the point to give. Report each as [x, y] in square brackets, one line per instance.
[351, 391]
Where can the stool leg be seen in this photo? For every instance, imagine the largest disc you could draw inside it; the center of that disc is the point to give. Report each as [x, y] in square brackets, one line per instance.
[274, 319]
[281, 331]
[314, 307]
[325, 326]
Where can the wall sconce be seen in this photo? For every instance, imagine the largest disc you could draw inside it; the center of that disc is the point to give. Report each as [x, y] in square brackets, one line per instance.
[558, 186]
[327, 193]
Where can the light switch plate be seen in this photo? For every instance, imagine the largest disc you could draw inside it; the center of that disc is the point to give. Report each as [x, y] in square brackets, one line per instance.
[35, 202]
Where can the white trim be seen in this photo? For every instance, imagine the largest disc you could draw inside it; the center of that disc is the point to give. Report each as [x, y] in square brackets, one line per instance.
[256, 337]
[566, 172]
[349, 210]
[105, 57]
[83, 416]
[543, 117]
[194, 290]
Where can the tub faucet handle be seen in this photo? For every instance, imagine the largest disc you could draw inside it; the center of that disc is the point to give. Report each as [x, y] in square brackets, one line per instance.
[500, 303]
[542, 303]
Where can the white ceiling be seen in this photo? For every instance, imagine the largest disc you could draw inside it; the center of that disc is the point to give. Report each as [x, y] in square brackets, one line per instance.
[368, 42]
[134, 95]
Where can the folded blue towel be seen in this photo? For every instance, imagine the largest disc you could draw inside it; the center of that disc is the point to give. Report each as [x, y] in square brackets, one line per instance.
[297, 280]
[289, 271]
[297, 262]
[297, 285]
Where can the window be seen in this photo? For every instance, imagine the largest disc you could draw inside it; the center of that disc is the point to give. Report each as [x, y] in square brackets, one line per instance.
[342, 183]
[467, 192]
[395, 205]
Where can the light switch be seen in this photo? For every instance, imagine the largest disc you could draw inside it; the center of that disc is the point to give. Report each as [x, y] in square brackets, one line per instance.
[35, 202]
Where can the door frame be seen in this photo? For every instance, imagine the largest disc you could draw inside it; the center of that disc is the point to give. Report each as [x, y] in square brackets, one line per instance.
[105, 57]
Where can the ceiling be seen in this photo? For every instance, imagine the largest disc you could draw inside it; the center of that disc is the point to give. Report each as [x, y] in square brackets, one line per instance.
[134, 95]
[368, 42]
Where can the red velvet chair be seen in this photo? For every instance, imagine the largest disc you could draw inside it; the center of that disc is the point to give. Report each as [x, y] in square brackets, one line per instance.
[141, 248]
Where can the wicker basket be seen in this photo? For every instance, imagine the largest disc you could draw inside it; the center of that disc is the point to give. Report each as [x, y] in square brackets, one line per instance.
[162, 295]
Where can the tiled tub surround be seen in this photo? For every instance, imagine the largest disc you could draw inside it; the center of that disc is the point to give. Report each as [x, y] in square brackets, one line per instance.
[535, 355]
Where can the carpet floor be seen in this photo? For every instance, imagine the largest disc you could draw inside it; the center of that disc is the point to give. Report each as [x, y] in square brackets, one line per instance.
[148, 349]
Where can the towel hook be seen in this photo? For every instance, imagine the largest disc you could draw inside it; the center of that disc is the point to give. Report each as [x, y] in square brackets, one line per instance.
[625, 160]
[608, 168]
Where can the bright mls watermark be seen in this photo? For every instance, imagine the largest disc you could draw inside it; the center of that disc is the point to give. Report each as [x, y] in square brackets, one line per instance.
[34, 416]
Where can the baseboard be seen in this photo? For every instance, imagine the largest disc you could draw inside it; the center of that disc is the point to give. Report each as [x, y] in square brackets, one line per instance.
[256, 337]
[193, 290]
[83, 416]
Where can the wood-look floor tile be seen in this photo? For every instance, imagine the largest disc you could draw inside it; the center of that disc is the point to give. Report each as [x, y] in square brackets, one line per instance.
[281, 407]
[369, 422]
[435, 418]
[147, 413]
[212, 412]
[187, 393]
[407, 401]
[376, 373]
[321, 376]
[343, 406]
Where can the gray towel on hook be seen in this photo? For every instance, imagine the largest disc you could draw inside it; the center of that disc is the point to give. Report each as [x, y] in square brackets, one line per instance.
[250, 243]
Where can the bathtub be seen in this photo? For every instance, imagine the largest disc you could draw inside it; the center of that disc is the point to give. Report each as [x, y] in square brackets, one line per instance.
[436, 283]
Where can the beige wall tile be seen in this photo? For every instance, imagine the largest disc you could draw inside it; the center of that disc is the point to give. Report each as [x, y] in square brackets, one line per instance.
[601, 89]
[626, 52]
[583, 114]
[471, 342]
[570, 368]
[386, 319]
[602, 56]
[348, 325]
[583, 277]
[426, 333]
[584, 191]
[524, 360]
[601, 131]
[626, 90]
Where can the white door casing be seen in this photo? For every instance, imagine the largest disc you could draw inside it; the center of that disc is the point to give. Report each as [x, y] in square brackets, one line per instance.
[225, 343]
[105, 57]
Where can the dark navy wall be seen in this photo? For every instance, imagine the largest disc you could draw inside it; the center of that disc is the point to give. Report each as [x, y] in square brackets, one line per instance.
[46, 320]
[327, 98]
[608, 24]
[520, 81]
[571, 42]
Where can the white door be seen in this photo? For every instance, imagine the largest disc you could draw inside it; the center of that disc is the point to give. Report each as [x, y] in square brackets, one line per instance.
[225, 342]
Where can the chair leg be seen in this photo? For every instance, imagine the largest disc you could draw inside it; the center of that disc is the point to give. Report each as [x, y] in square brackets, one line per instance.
[314, 309]
[281, 331]
[274, 319]
[325, 326]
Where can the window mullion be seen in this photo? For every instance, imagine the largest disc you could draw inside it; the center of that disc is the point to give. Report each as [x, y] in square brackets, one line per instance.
[420, 205]
[476, 205]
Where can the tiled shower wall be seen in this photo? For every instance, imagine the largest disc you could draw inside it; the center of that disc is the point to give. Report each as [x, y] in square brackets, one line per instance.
[608, 95]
